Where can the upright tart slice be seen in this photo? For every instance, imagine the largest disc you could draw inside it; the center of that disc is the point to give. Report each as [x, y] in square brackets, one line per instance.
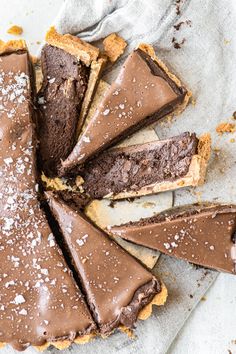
[117, 286]
[143, 169]
[39, 301]
[143, 92]
[70, 70]
[204, 234]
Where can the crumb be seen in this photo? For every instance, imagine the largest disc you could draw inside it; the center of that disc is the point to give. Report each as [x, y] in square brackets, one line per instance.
[225, 128]
[114, 46]
[111, 204]
[178, 26]
[233, 341]
[180, 183]
[15, 30]
[198, 195]
[203, 298]
[232, 140]
[191, 296]
[177, 6]
[149, 205]
[193, 101]
[229, 351]
[234, 116]
[226, 41]
[178, 45]
[38, 42]
[79, 181]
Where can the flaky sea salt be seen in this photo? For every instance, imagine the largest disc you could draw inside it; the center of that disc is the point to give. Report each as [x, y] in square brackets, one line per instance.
[19, 299]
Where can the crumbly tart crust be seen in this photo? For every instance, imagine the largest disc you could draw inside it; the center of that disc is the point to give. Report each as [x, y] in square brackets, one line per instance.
[25, 234]
[75, 46]
[12, 46]
[114, 46]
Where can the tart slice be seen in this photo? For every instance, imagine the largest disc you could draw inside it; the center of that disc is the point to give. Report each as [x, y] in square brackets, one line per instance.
[117, 286]
[143, 169]
[143, 92]
[40, 302]
[203, 234]
[70, 70]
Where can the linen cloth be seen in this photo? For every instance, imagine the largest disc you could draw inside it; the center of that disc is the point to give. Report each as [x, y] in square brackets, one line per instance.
[202, 51]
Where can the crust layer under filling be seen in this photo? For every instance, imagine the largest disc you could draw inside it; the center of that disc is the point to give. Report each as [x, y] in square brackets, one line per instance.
[203, 234]
[142, 93]
[129, 169]
[105, 270]
[39, 300]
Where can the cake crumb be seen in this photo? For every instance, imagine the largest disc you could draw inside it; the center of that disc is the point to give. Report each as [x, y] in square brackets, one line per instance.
[203, 298]
[232, 140]
[226, 41]
[225, 128]
[15, 30]
[114, 46]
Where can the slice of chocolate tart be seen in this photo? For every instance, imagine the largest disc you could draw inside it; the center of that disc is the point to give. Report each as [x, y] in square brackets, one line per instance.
[70, 70]
[203, 234]
[143, 92]
[143, 169]
[117, 286]
[40, 302]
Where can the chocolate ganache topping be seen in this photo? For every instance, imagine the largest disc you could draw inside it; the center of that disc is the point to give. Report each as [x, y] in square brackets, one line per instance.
[39, 300]
[200, 233]
[141, 94]
[116, 285]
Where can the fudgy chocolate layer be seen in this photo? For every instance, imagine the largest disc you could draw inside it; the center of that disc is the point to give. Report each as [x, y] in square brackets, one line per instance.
[117, 286]
[133, 167]
[59, 101]
[76, 200]
[141, 94]
[39, 300]
[202, 234]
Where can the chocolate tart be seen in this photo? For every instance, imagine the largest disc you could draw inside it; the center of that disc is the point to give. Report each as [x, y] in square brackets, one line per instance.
[70, 69]
[143, 169]
[203, 234]
[116, 285]
[143, 92]
[40, 303]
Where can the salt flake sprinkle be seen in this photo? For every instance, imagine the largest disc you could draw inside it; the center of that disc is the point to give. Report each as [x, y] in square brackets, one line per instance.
[19, 299]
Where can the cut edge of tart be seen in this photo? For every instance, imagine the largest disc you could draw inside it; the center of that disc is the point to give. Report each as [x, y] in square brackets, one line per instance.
[194, 177]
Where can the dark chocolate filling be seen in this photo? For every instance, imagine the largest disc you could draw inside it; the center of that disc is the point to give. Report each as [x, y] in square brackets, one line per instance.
[60, 99]
[131, 168]
[77, 201]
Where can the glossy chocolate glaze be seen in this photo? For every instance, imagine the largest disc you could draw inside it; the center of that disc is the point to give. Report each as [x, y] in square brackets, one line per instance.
[201, 234]
[133, 167]
[39, 300]
[116, 285]
[141, 94]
